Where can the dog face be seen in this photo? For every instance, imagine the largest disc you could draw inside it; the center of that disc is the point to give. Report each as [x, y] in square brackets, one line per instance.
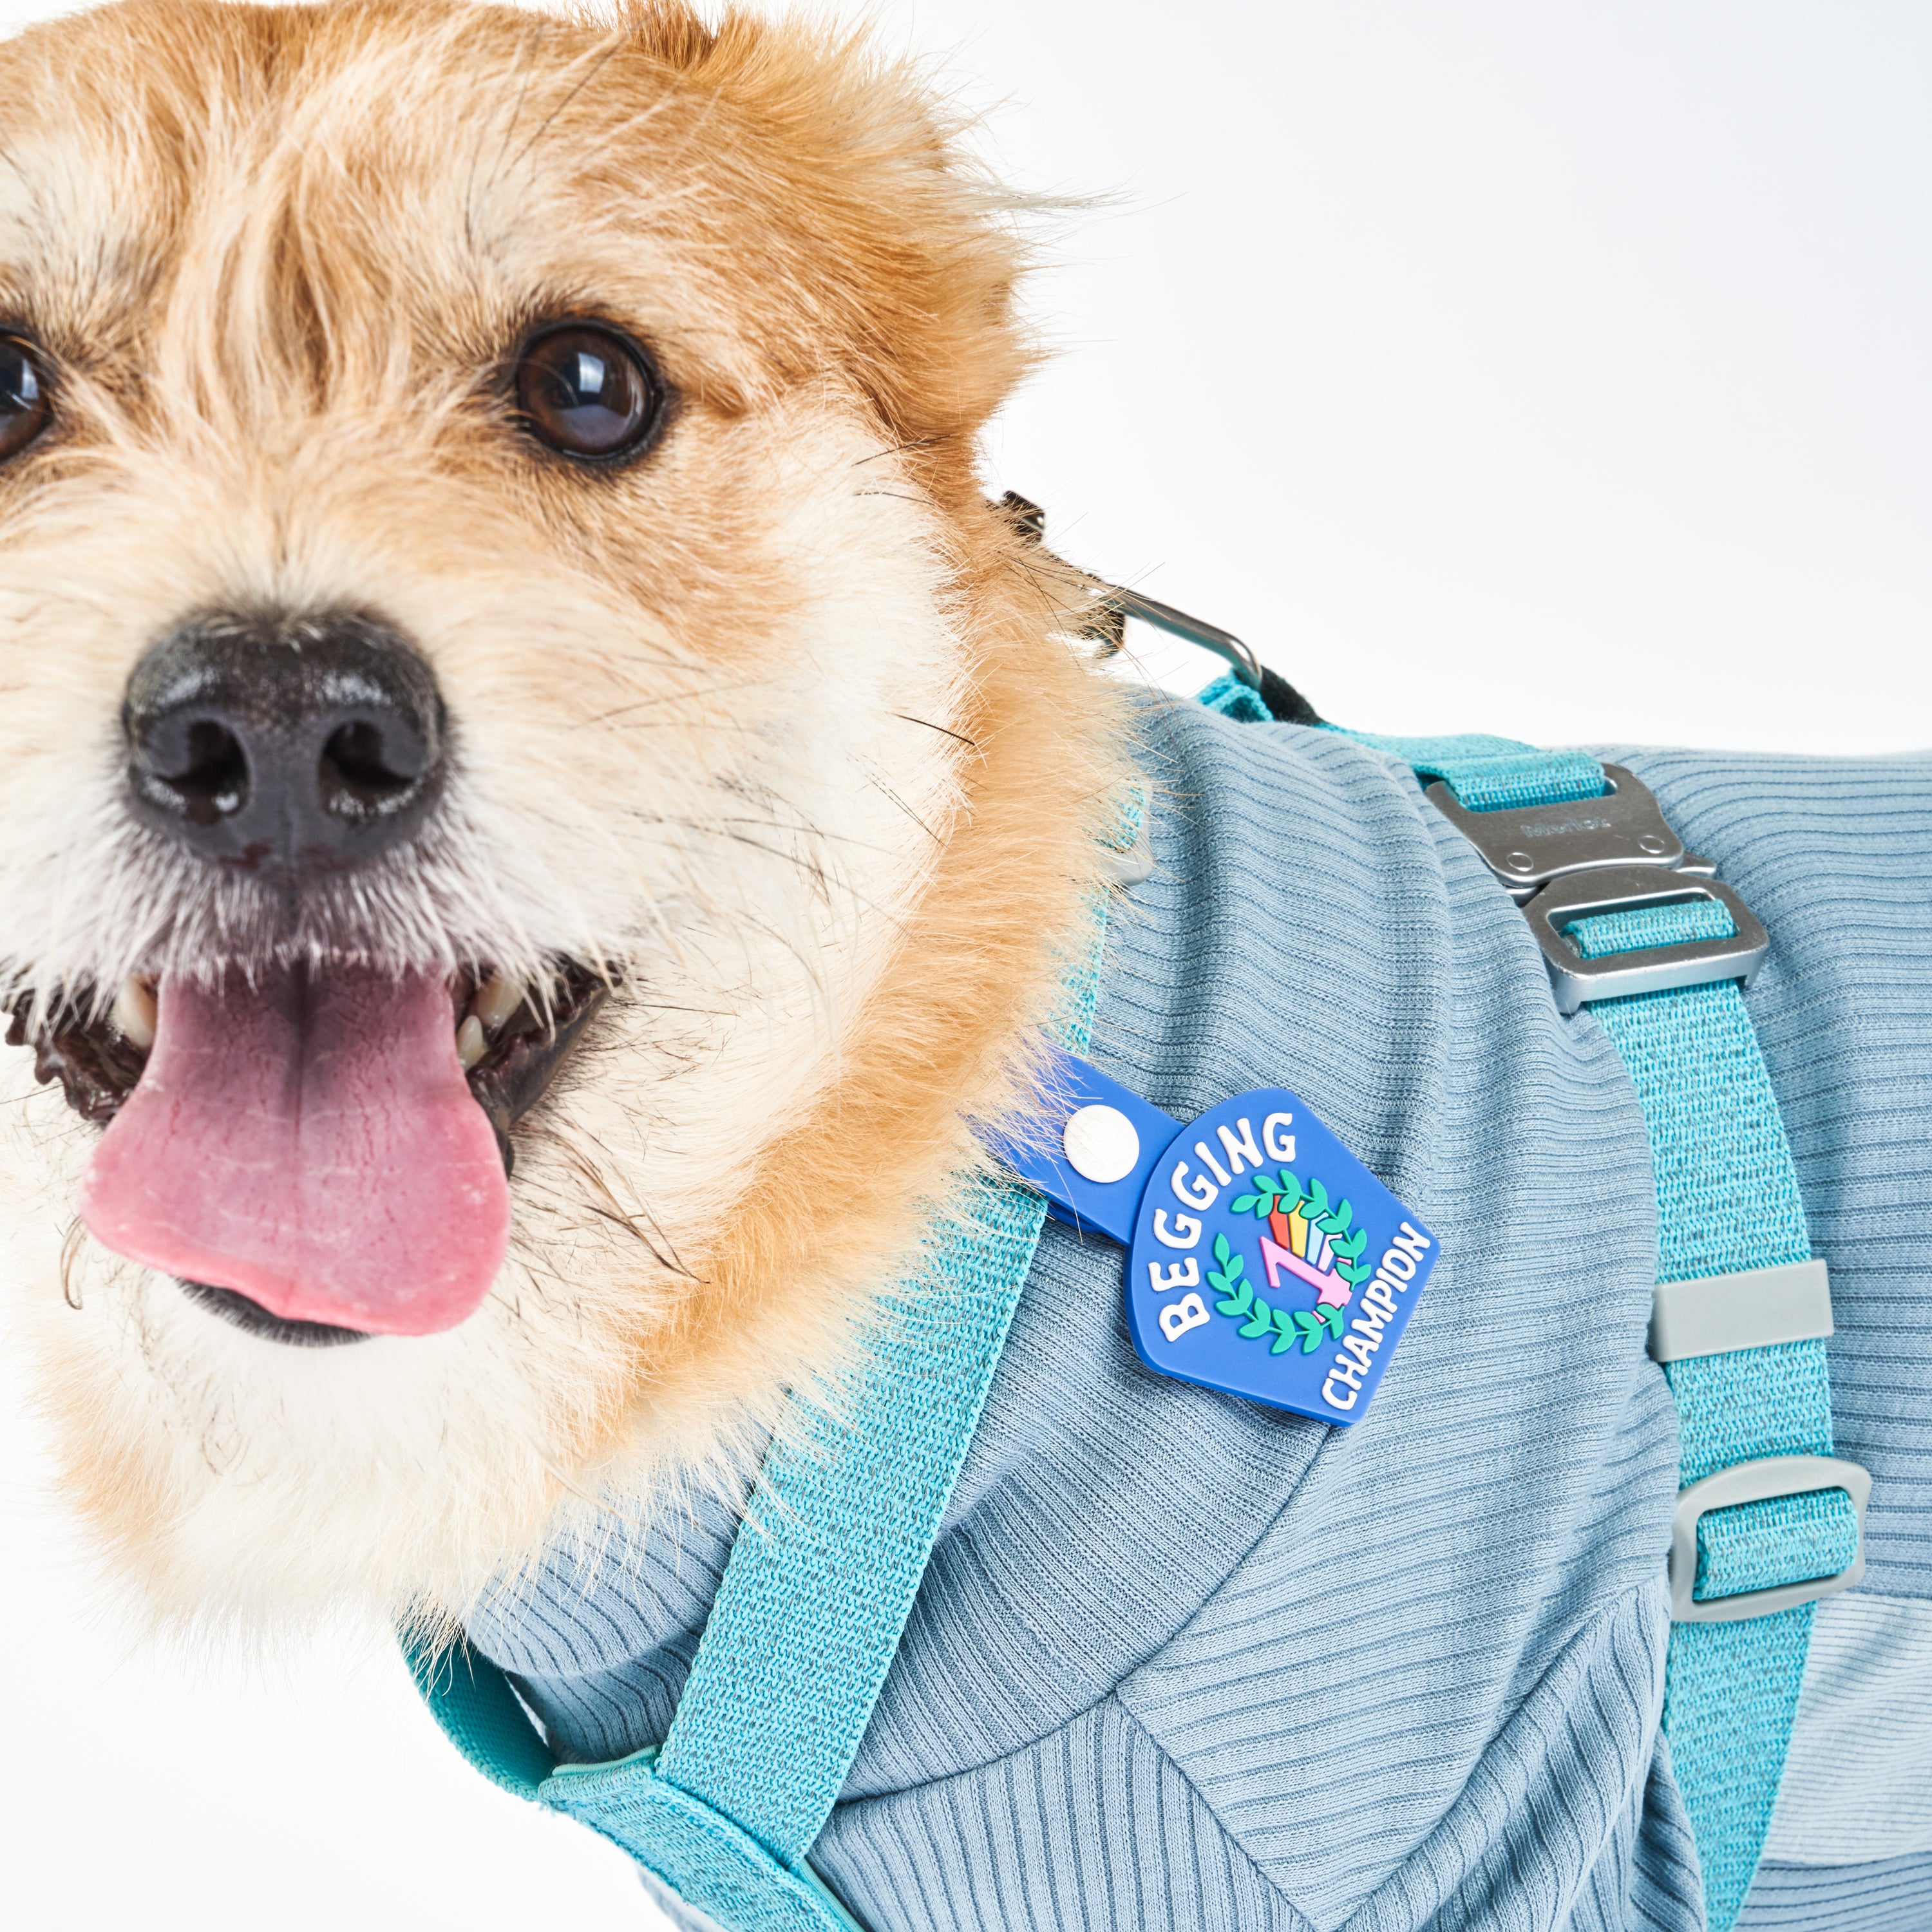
[508, 665]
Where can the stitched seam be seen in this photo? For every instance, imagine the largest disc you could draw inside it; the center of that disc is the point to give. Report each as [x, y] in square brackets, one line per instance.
[1602, 1615]
[1236, 1848]
[1060, 1724]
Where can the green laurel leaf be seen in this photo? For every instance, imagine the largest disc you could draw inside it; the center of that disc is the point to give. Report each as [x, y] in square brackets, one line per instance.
[1238, 1299]
[1318, 1195]
[1222, 1250]
[1243, 1203]
[1336, 1321]
[1260, 1321]
[1236, 1268]
[1291, 1188]
[1284, 1333]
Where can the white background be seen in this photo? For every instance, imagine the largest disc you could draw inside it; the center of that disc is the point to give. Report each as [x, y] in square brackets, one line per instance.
[1554, 370]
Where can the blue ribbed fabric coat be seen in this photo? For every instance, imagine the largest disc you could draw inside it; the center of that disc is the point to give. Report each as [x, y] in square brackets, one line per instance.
[1182, 1662]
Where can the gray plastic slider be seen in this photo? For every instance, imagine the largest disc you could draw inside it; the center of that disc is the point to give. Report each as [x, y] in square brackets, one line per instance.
[1716, 1313]
[1750, 1483]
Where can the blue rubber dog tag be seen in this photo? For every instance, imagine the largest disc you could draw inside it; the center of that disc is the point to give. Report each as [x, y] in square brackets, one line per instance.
[1265, 1260]
[1268, 1261]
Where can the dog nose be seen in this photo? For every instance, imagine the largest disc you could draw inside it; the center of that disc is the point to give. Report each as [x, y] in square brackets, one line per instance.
[314, 742]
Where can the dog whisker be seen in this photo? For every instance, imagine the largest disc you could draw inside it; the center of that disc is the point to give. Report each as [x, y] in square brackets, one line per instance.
[880, 785]
[602, 60]
[895, 495]
[958, 738]
[901, 448]
[525, 66]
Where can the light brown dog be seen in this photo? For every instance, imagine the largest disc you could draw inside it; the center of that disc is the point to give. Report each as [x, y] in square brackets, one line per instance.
[506, 655]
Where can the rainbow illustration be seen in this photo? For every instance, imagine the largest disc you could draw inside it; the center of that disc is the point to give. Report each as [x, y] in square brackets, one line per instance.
[1295, 1242]
[1308, 1237]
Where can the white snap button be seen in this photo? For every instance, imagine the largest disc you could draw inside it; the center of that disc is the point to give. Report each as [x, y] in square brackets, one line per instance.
[1101, 1143]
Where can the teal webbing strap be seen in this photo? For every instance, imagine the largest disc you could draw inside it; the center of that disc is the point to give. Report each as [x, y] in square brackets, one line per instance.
[1728, 1201]
[815, 1598]
[1487, 774]
[822, 1578]
[1491, 774]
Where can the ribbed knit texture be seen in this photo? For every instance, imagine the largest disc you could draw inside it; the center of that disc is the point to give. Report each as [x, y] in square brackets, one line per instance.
[1858, 1784]
[1181, 1661]
[1893, 1896]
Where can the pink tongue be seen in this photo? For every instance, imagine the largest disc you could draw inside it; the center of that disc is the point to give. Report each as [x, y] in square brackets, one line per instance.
[312, 1144]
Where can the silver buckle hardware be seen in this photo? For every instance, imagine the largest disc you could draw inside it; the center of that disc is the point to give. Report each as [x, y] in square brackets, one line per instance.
[1649, 969]
[1564, 863]
[1029, 520]
[1526, 846]
[1750, 1483]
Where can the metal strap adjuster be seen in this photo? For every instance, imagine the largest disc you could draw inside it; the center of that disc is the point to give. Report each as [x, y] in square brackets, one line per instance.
[1750, 1483]
[1568, 862]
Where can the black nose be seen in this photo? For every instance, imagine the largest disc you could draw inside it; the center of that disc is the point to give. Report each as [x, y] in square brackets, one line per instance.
[314, 742]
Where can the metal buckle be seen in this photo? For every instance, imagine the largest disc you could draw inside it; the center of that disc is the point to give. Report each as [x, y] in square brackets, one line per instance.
[1750, 1483]
[1564, 863]
[1649, 969]
[1526, 846]
[1030, 519]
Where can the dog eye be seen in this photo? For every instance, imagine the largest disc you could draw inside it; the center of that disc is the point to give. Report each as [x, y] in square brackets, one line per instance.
[24, 407]
[587, 392]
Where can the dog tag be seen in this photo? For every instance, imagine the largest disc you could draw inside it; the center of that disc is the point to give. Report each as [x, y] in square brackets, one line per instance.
[1265, 1260]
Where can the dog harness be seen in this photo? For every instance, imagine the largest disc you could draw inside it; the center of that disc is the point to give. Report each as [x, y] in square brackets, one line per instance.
[723, 1814]
[1767, 1520]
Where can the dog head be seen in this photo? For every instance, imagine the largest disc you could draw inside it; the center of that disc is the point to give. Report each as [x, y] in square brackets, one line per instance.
[538, 792]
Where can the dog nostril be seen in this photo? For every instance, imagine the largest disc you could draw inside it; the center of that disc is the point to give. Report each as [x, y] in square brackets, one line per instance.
[213, 782]
[310, 742]
[355, 775]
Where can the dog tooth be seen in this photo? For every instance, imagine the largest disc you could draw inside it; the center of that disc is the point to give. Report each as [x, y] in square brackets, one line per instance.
[135, 1014]
[497, 999]
[470, 1044]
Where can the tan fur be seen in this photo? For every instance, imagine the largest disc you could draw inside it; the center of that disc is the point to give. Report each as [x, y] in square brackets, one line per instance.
[785, 725]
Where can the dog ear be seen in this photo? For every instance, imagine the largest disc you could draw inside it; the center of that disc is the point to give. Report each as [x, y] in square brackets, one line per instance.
[890, 253]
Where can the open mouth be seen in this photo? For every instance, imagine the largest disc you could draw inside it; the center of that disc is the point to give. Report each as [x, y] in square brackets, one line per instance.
[316, 1154]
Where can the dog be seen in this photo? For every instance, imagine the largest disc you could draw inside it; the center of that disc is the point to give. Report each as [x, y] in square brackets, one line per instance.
[548, 811]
